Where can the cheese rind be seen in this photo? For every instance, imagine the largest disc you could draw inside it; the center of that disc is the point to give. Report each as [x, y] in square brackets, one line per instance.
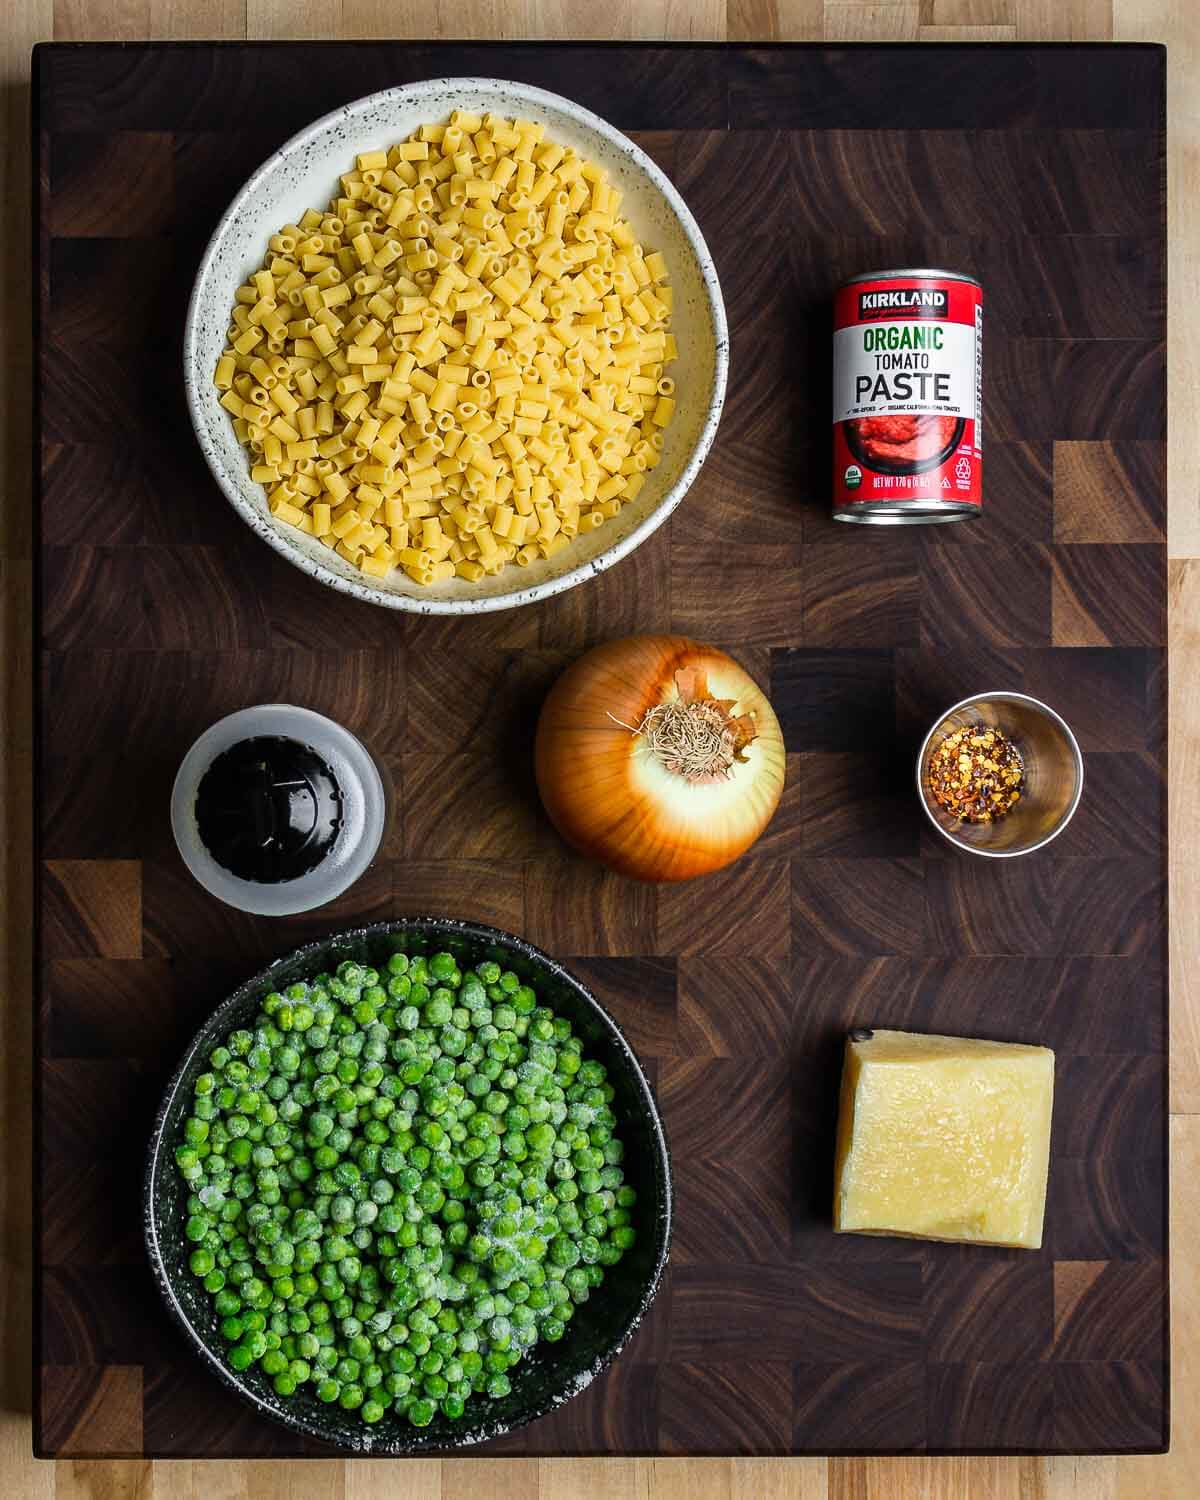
[943, 1138]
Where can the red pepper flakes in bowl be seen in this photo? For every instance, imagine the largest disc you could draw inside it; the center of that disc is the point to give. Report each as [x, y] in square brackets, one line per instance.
[976, 774]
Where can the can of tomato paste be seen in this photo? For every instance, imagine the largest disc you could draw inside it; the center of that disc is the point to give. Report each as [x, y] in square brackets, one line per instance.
[907, 407]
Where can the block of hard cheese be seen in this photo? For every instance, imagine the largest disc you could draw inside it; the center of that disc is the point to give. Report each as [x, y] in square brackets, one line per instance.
[943, 1138]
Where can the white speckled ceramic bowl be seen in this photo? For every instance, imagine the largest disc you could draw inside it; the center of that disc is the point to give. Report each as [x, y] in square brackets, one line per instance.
[303, 174]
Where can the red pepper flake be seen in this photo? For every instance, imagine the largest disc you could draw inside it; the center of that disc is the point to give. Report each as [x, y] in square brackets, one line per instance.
[976, 774]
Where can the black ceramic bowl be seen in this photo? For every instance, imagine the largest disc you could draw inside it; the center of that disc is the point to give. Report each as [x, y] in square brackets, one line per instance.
[551, 1373]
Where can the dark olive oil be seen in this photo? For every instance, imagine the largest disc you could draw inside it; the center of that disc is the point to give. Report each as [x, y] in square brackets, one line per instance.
[269, 809]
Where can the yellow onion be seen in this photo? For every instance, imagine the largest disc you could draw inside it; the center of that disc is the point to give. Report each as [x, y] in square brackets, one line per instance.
[659, 757]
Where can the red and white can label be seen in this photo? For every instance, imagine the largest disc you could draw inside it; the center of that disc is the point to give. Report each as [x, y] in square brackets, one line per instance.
[907, 386]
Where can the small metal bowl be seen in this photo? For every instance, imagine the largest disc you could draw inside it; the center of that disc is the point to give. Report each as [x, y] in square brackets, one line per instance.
[551, 1373]
[1053, 774]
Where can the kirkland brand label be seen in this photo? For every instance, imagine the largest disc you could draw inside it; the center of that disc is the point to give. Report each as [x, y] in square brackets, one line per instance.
[907, 398]
[916, 302]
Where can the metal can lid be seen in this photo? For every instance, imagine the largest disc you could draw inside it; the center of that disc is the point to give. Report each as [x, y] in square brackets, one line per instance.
[905, 512]
[913, 273]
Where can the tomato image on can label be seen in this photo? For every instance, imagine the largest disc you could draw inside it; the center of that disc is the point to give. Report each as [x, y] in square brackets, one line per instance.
[907, 382]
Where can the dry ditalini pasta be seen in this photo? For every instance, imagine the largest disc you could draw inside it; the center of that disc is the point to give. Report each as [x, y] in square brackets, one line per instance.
[461, 363]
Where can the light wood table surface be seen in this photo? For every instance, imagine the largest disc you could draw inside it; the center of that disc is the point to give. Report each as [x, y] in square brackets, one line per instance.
[1176, 1477]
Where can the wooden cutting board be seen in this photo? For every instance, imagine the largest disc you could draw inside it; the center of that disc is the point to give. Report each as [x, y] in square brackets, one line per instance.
[1039, 170]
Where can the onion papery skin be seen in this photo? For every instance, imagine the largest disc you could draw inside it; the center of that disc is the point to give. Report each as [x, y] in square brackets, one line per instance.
[609, 795]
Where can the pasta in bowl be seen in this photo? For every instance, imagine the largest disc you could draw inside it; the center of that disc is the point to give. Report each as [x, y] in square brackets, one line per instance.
[456, 347]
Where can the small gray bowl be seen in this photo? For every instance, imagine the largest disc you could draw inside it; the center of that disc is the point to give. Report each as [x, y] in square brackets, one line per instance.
[1053, 775]
[551, 1373]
